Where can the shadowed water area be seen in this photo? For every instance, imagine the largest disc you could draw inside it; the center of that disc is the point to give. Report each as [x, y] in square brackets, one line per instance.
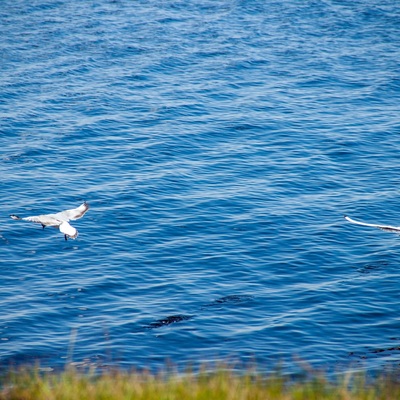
[219, 144]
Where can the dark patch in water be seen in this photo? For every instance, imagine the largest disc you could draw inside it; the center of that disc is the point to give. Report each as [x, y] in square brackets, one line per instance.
[396, 348]
[383, 351]
[233, 299]
[172, 319]
[368, 269]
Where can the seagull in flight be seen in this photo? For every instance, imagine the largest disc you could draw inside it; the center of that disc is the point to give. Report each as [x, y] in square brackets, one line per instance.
[387, 228]
[59, 220]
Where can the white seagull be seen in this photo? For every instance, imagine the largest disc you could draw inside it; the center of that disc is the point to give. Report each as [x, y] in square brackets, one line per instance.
[387, 228]
[59, 220]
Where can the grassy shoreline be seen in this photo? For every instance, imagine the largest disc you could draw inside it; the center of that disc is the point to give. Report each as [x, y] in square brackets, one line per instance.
[222, 384]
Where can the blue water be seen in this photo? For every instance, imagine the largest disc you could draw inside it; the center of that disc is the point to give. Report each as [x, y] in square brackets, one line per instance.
[219, 144]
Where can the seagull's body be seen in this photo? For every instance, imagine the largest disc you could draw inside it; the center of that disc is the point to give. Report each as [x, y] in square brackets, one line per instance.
[387, 228]
[59, 220]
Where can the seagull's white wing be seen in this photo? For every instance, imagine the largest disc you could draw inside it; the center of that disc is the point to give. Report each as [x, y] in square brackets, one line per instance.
[35, 218]
[395, 229]
[73, 214]
[46, 220]
[68, 230]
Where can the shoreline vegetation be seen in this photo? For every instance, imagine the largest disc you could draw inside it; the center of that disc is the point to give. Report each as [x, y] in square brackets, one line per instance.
[222, 383]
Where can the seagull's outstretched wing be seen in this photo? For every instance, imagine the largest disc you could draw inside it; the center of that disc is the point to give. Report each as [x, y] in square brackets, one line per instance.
[73, 214]
[45, 220]
[387, 228]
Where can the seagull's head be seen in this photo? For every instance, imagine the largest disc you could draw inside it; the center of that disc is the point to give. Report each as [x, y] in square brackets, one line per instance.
[68, 230]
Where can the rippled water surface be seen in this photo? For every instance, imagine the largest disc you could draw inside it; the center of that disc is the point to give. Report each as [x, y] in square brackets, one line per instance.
[219, 144]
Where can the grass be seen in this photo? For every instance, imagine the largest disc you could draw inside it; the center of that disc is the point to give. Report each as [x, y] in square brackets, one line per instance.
[223, 384]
